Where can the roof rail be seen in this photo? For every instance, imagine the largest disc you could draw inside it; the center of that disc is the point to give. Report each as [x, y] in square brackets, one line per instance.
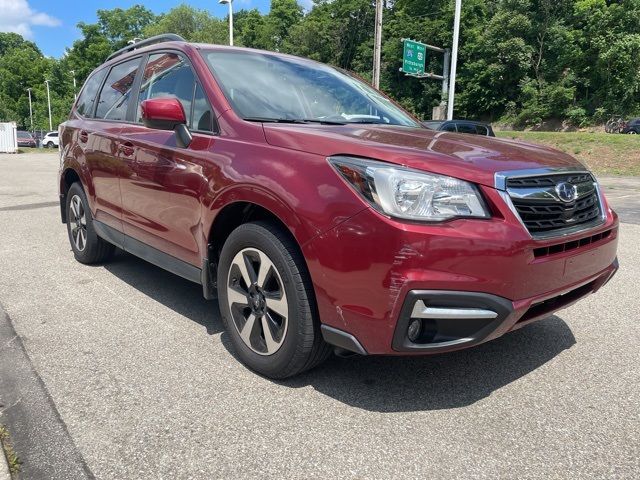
[167, 37]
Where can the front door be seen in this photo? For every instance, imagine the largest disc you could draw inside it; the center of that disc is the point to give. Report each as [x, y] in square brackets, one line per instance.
[163, 183]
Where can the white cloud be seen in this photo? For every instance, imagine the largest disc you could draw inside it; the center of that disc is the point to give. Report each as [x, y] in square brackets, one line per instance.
[18, 17]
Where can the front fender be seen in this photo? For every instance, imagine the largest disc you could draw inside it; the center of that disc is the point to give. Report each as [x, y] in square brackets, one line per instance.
[302, 231]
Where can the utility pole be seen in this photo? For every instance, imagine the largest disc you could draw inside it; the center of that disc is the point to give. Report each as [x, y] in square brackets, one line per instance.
[75, 95]
[454, 59]
[49, 103]
[377, 44]
[230, 19]
[30, 109]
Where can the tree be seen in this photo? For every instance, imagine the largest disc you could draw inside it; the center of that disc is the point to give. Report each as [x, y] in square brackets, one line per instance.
[192, 24]
[522, 61]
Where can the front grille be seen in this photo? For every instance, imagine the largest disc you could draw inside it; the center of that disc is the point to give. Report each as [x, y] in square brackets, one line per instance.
[547, 307]
[567, 246]
[549, 181]
[544, 213]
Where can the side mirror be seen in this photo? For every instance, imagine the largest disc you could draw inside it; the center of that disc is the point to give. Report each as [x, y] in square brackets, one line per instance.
[167, 114]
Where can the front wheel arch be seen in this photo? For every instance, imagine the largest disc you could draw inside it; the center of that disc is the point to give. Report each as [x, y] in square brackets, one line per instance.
[231, 217]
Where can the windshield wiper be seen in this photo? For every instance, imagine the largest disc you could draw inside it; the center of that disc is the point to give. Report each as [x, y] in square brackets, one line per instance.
[293, 120]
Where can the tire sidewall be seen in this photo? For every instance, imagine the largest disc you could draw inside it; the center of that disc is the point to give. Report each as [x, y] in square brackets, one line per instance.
[257, 236]
[87, 254]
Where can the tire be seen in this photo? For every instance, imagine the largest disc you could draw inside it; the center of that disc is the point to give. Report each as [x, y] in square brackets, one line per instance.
[632, 132]
[87, 246]
[49, 145]
[273, 294]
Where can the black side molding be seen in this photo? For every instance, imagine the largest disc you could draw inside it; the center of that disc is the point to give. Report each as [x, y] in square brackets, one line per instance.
[341, 339]
[150, 254]
[63, 208]
[208, 280]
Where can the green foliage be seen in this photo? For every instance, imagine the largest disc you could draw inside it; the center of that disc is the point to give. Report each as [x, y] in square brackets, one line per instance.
[521, 61]
[192, 24]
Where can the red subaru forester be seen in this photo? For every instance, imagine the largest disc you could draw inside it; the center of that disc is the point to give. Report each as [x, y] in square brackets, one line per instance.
[320, 214]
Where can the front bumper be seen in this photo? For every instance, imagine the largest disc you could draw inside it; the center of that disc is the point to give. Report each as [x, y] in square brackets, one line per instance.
[368, 271]
[455, 320]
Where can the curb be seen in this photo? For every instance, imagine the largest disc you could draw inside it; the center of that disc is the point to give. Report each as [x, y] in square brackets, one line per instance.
[4, 466]
[47, 450]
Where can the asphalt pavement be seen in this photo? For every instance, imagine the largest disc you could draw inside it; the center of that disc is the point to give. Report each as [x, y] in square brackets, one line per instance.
[128, 368]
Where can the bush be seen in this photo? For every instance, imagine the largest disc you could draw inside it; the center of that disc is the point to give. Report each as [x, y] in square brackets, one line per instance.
[577, 116]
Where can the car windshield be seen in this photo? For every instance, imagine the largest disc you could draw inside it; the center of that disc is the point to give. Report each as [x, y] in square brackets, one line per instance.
[274, 88]
[23, 134]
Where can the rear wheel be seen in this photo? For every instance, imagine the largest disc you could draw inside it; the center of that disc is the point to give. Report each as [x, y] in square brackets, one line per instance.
[87, 246]
[266, 302]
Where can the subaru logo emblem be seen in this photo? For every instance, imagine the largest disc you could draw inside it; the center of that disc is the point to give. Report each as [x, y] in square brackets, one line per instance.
[566, 192]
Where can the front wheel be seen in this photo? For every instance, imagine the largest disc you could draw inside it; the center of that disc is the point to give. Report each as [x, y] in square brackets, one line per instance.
[267, 303]
[49, 145]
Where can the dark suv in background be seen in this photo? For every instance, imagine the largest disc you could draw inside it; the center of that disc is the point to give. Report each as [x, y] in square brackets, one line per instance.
[460, 126]
[632, 127]
[319, 213]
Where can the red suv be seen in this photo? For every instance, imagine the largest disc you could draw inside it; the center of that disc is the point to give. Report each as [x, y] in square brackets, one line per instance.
[321, 214]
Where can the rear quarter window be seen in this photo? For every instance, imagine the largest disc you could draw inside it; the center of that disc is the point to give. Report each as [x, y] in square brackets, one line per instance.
[87, 98]
[482, 130]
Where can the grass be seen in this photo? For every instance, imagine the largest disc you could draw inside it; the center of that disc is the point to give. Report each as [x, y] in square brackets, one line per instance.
[604, 153]
[37, 150]
[5, 444]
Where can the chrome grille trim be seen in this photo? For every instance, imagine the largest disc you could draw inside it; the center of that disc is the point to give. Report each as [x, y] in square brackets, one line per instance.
[546, 193]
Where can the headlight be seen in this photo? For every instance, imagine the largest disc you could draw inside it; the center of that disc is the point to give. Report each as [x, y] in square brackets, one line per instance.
[409, 194]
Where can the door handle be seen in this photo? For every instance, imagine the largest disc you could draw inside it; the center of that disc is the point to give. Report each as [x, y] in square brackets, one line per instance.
[126, 149]
[83, 136]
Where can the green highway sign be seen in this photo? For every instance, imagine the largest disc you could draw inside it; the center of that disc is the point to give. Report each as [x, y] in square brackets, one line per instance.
[413, 57]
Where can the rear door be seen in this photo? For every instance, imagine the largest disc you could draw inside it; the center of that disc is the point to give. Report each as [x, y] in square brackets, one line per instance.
[163, 183]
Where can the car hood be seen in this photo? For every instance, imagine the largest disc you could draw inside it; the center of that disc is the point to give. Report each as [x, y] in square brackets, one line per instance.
[469, 157]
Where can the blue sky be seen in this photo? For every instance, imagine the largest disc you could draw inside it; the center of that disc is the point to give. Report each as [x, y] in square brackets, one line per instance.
[52, 24]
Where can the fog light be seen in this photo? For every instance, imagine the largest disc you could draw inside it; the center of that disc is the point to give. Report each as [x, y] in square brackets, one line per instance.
[414, 330]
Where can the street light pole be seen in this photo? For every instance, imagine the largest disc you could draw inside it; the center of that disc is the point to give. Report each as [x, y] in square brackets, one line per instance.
[377, 45]
[230, 2]
[30, 109]
[454, 59]
[49, 103]
[75, 95]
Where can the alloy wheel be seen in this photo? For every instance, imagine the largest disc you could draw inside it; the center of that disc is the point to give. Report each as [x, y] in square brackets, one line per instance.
[257, 301]
[78, 223]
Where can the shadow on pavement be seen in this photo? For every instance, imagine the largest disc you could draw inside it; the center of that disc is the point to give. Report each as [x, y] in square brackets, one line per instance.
[451, 380]
[380, 384]
[174, 292]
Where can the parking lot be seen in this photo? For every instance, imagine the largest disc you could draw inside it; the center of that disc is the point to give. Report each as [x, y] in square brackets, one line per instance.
[128, 374]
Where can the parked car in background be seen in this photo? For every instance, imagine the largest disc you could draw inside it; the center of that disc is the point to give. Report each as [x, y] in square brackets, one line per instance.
[25, 139]
[319, 213]
[50, 140]
[461, 126]
[632, 127]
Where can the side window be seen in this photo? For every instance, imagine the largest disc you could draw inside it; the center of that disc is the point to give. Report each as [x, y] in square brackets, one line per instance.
[114, 97]
[88, 96]
[449, 127]
[202, 115]
[466, 128]
[482, 130]
[167, 75]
